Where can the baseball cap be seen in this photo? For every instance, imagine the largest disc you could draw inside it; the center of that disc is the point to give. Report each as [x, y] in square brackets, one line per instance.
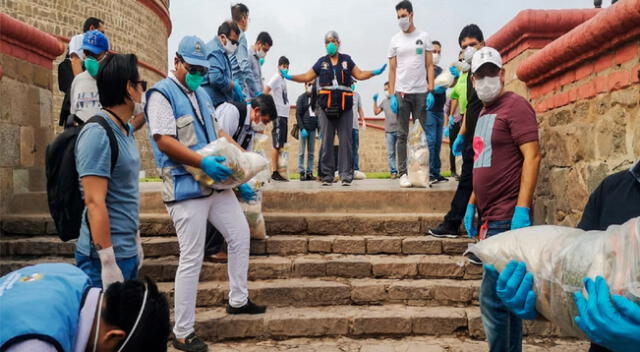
[484, 56]
[95, 42]
[193, 52]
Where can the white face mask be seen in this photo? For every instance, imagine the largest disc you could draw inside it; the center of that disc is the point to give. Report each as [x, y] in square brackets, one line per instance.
[261, 54]
[436, 59]
[468, 54]
[138, 108]
[465, 66]
[404, 23]
[488, 88]
[258, 127]
[229, 47]
[308, 89]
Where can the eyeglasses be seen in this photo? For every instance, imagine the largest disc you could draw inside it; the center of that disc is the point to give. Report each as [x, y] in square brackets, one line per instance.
[142, 84]
[193, 69]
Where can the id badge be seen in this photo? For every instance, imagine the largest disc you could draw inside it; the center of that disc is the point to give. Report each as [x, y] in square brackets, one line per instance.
[483, 230]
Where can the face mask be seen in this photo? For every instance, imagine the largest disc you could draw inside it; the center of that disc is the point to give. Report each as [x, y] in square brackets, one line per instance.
[468, 54]
[436, 59]
[308, 89]
[285, 71]
[332, 49]
[465, 66]
[386, 94]
[139, 107]
[404, 23]
[261, 54]
[258, 127]
[353, 87]
[92, 66]
[488, 88]
[194, 81]
[230, 48]
[261, 61]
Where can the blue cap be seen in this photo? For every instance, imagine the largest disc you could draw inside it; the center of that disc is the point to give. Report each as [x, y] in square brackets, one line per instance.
[95, 42]
[193, 51]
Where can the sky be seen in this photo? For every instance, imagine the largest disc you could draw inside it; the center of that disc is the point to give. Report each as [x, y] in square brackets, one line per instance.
[365, 28]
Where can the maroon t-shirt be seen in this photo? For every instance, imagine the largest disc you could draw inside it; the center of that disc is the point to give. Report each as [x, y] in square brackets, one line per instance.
[501, 129]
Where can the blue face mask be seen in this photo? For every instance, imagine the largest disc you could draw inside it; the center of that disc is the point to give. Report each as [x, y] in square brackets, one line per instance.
[261, 61]
[332, 49]
[92, 66]
[194, 81]
[285, 71]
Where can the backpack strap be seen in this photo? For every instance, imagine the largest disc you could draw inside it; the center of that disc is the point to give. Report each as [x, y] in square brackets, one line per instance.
[242, 110]
[113, 143]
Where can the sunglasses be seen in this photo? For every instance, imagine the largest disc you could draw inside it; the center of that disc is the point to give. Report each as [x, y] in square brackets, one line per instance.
[193, 69]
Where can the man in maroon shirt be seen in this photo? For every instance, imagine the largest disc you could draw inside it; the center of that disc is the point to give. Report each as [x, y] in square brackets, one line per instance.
[505, 172]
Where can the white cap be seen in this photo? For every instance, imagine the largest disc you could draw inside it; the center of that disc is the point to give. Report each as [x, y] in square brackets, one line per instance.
[485, 55]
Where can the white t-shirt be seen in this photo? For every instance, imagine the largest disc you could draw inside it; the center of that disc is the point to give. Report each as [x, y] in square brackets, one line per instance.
[85, 100]
[357, 102]
[228, 118]
[410, 50]
[279, 93]
[75, 46]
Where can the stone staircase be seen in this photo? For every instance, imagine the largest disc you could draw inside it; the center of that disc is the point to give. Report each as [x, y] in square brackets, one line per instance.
[339, 263]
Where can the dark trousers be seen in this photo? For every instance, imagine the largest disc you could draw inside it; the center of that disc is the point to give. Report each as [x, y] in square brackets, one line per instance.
[465, 188]
[453, 134]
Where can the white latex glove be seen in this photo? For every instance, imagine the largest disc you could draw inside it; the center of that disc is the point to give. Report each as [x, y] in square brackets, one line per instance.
[140, 250]
[110, 271]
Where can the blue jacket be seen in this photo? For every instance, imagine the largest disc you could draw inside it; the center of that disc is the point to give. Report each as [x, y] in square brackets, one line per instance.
[42, 301]
[217, 82]
[242, 70]
[177, 183]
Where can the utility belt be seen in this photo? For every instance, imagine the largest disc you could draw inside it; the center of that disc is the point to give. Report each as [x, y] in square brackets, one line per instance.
[335, 100]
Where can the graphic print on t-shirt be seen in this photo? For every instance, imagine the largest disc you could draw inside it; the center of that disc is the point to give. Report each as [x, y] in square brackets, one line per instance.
[482, 150]
[419, 47]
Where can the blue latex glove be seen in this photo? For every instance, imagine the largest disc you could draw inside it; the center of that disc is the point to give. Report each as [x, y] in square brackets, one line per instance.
[457, 145]
[237, 90]
[451, 121]
[454, 71]
[212, 166]
[375, 98]
[446, 132]
[258, 94]
[521, 218]
[430, 100]
[515, 289]
[246, 192]
[468, 221]
[286, 75]
[380, 70]
[393, 101]
[304, 133]
[613, 322]
[439, 90]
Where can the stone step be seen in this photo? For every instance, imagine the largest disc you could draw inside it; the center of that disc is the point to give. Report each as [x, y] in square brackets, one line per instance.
[275, 245]
[310, 266]
[339, 224]
[327, 292]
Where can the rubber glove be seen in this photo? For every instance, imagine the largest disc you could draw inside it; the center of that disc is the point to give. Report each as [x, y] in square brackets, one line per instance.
[304, 133]
[286, 75]
[452, 121]
[468, 221]
[515, 289]
[521, 218]
[457, 145]
[446, 132]
[454, 71]
[140, 250]
[110, 272]
[258, 94]
[375, 98]
[430, 100]
[439, 90]
[246, 192]
[394, 104]
[237, 90]
[613, 322]
[380, 70]
[212, 166]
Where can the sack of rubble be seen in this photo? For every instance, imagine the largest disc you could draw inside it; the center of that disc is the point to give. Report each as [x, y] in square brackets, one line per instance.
[417, 157]
[253, 212]
[560, 257]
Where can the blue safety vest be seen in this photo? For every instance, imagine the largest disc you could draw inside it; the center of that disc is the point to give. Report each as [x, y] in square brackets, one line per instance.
[42, 302]
[178, 184]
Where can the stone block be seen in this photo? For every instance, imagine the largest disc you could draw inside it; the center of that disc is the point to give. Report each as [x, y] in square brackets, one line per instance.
[349, 267]
[455, 246]
[222, 327]
[474, 323]
[46, 108]
[285, 224]
[401, 227]
[404, 290]
[286, 245]
[395, 267]
[320, 244]
[439, 321]
[42, 77]
[263, 268]
[309, 267]
[541, 327]
[306, 323]
[440, 267]
[472, 271]
[384, 245]
[20, 181]
[328, 226]
[10, 151]
[453, 291]
[421, 245]
[6, 186]
[27, 146]
[368, 291]
[383, 321]
[258, 247]
[349, 245]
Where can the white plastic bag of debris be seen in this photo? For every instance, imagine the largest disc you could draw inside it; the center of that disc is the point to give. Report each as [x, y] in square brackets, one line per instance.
[445, 78]
[253, 212]
[244, 165]
[561, 257]
[262, 146]
[283, 162]
[417, 157]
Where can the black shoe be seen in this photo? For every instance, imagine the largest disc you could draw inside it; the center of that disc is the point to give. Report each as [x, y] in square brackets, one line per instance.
[310, 176]
[440, 178]
[192, 343]
[346, 183]
[249, 308]
[474, 260]
[277, 177]
[303, 177]
[445, 230]
[327, 182]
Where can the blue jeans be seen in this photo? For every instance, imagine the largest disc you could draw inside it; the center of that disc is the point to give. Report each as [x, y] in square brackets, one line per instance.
[93, 268]
[356, 145]
[309, 144]
[434, 131]
[392, 139]
[503, 328]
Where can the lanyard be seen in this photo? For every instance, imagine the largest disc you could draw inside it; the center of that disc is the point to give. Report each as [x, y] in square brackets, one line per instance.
[119, 119]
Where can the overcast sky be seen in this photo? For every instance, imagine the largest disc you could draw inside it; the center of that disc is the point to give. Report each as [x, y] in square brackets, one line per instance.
[365, 28]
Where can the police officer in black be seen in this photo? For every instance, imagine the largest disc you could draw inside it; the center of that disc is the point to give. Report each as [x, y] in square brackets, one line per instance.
[335, 100]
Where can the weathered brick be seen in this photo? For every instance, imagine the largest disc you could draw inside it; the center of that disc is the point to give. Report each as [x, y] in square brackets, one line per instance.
[382, 321]
[395, 267]
[403, 290]
[368, 291]
[313, 323]
[286, 245]
[439, 321]
[349, 267]
[421, 245]
[349, 245]
[309, 267]
[320, 244]
[386, 245]
[441, 267]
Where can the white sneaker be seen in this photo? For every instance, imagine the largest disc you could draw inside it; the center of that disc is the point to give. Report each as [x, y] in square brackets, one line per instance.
[359, 175]
[404, 181]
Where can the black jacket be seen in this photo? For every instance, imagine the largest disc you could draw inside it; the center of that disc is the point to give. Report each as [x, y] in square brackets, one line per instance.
[303, 118]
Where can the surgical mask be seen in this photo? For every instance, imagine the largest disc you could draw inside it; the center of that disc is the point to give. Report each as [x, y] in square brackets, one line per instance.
[353, 86]
[436, 59]
[332, 49]
[308, 89]
[488, 88]
[468, 54]
[230, 48]
[404, 23]
[92, 66]
[465, 66]
[194, 81]
[139, 107]
[285, 71]
[258, 127]
[261, 61]
[261, 54]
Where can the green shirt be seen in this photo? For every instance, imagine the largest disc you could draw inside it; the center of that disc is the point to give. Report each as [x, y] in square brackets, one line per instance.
[459, 92]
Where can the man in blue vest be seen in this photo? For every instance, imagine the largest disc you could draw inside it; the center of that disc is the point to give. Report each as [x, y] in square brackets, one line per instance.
[180, 117]
[219, 82]
[52, 307]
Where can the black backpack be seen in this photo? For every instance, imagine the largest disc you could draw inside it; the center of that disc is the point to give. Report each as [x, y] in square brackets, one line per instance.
[63, 184]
